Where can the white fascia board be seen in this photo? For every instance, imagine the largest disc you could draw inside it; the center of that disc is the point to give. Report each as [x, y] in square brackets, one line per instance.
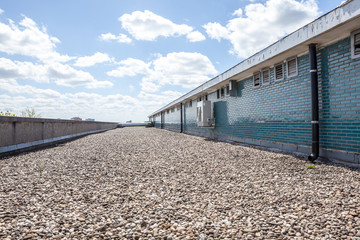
[325, 23]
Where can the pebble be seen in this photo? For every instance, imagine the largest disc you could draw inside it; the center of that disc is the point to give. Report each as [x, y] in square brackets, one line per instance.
[147, 183]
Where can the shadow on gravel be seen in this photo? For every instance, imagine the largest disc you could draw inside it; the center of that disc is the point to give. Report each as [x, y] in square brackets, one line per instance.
[299, 156]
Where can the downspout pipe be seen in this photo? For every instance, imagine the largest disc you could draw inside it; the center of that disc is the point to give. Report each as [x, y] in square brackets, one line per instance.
[181, 118]
[314, 103]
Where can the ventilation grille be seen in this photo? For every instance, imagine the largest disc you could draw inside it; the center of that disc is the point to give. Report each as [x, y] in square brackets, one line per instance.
[266, 76]
[291, 64]
[257, 79]
[357, 44]
[279, 72]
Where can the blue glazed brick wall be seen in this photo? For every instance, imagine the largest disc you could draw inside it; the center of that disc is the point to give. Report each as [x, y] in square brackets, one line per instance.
[340, 97]
[172, 120]
[190, 123]
[278, 112]
[281, 111]
[157, 121]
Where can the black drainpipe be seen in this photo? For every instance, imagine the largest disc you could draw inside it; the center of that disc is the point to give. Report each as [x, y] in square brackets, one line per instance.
[314, 103]
[181, 118]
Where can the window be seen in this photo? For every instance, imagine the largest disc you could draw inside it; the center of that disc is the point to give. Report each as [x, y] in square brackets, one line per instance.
[190, 103]
[256, 79]
[291, 65]
[173, 110]
[227, 90]
[265, 76]
[199, 99]
[218, 93]
[206, 97]
[222, 91]
[279, 72]
[355, 44]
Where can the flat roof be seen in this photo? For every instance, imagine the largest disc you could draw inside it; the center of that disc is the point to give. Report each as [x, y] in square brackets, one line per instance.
[328, 28]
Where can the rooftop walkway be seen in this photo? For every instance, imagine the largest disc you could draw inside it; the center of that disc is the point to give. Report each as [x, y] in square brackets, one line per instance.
[147, 183]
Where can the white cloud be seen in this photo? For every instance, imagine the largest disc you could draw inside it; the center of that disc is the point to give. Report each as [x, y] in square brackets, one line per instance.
[52, 104]
[181, 68]
[149, 86]
[61, 74]
[129, 67]
[186, 69]
[1, 11]
[159, 99]
[92, 60]
[148, 26]
[29, 40]
[238, 12]
[25, 70]
[121, 38]
[262, 24]
[216, 31]
[65, 75]
[13, 87]
[195, 36]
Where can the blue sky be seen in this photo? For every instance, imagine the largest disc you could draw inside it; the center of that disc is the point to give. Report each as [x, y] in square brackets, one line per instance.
[118, 60]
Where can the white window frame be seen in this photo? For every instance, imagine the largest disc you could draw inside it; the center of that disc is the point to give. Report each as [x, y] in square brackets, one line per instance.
[353, 55]
[287, 67]
[262, 76]
[259, 74]
[282, 65]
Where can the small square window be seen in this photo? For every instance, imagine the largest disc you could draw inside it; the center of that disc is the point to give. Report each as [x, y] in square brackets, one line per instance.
[291, 65]
[256, 79]
[355, 44]
[265, 76]
[279, 72]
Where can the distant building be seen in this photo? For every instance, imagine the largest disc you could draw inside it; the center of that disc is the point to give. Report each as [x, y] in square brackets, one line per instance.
[300, 94]
[90, 119]
[129, 121]
[76, 118]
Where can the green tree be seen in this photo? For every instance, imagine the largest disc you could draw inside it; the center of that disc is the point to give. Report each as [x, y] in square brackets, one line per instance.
[7, 113]
[30, 113]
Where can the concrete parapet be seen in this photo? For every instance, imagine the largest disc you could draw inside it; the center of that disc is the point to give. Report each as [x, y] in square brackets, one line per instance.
[18, 133]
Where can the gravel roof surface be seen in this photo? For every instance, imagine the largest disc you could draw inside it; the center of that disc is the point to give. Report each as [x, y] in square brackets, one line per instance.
[147, 183]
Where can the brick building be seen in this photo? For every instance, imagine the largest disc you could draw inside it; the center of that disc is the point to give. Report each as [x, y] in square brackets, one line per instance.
[271, 98]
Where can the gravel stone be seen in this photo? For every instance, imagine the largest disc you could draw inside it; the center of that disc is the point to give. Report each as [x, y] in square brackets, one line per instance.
[147, 183]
